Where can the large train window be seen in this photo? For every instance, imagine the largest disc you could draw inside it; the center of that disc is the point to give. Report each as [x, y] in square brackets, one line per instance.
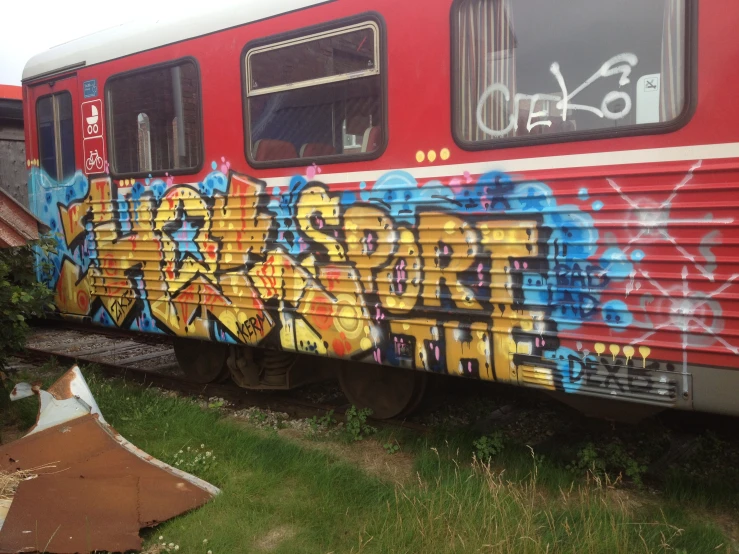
[317, 96]
[154, 120]
[56, 135]
[523, 72]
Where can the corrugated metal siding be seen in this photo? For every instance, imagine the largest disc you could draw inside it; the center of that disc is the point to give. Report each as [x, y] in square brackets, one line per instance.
[13, 174]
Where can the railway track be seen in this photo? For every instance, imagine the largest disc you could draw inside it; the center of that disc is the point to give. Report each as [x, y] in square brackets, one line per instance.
[150, 361]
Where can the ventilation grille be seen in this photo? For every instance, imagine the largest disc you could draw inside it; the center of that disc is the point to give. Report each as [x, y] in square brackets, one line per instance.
[628, 383]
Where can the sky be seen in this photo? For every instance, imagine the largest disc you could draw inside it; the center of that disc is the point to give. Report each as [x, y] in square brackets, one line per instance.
[58, 21]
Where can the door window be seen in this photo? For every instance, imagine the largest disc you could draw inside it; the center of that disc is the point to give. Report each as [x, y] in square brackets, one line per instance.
[56, 135]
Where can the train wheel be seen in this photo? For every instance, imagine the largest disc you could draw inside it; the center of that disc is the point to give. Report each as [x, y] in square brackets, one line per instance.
[388, 392]
[418, 397]
[202, 362]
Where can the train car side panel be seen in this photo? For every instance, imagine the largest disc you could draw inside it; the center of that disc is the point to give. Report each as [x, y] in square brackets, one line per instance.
[604, 267]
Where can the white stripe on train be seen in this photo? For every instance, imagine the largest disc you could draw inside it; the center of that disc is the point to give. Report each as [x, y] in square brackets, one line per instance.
[570, 161]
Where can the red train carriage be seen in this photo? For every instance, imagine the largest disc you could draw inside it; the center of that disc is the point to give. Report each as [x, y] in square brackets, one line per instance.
[533, 192]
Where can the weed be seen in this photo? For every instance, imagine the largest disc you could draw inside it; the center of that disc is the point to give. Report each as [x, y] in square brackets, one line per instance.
[194, 460]
[216, 405]
[391, 447]
[613, 458]
[356, 424]
[162, 546]
[489, 446]
[588, 459]
[323, 423]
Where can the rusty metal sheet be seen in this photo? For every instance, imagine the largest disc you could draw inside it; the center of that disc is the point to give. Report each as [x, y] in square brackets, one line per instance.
[91, 476]
[67, 514]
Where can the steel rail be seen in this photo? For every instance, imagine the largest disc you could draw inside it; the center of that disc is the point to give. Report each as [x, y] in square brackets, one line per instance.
[237, 397]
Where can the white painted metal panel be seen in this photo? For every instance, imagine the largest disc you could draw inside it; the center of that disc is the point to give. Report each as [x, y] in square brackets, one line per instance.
[148, 33]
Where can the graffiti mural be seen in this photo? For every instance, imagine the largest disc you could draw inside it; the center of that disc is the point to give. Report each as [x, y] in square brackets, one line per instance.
[489, 276]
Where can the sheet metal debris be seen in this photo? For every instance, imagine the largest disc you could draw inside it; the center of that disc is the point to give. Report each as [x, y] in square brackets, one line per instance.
[92, 489]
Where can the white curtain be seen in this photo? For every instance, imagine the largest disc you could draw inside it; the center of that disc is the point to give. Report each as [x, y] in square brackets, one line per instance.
[672, 90]
[486, 56]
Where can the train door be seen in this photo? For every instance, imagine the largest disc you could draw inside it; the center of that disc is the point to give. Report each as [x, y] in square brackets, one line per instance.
[52, 109]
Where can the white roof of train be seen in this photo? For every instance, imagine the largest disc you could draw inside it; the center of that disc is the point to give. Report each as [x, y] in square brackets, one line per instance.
[149, 33]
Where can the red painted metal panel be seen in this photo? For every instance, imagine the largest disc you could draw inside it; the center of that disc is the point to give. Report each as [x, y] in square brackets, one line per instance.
[11, 92]
[658, 214]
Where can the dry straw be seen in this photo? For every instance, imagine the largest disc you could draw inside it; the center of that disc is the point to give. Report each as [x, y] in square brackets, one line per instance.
[9, 480]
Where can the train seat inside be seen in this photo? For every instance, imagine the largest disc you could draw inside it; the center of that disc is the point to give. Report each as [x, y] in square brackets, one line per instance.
[266, 150]
[316, 149]
[359, 125]
[371, 139]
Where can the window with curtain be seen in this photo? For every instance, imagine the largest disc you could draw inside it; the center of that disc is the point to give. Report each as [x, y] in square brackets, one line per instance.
[524, 68]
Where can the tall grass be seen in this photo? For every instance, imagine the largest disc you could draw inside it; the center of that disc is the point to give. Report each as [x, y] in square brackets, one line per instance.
[476, 509]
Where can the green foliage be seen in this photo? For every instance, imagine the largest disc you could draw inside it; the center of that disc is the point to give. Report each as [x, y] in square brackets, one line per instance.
[391, 447]
[489, 446]
[22, 297]
[318, 424]
[609, 459]
[356, 424]
[588, 459]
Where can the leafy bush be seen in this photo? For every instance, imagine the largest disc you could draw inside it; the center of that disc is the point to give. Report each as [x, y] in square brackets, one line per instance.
[22, 297]
[356, 424]
[391, 447]
[611, 458]
[489, 447]
[321, 424]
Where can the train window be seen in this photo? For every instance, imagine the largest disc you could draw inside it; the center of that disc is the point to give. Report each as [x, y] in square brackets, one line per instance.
[154, 121]
[56, 135]
[318, 96]
[522, 71]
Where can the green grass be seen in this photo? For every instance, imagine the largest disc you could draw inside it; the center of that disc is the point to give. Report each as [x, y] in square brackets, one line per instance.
[284, 497]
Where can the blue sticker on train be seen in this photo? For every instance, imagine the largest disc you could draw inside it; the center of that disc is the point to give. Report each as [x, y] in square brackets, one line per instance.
[90, 88]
